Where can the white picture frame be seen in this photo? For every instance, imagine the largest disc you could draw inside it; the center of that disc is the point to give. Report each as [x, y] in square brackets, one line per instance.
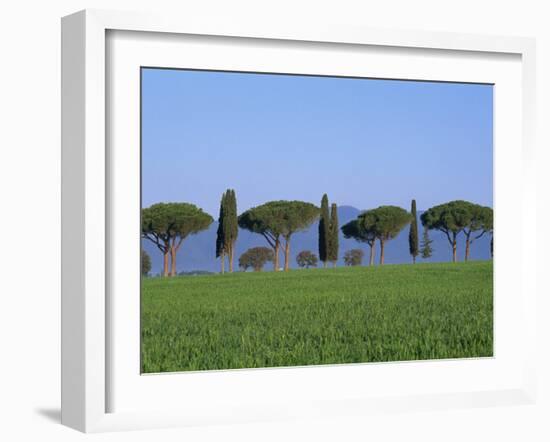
[87, 356]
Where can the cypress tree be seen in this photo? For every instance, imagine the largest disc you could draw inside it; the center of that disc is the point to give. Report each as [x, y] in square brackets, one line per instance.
[426, 247]
[220, 234]
[333, 235]
[231, 229]
[324, 223]
[413, 233]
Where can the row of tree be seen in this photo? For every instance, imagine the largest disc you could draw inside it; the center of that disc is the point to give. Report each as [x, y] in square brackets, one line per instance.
[453, 219]
[168, 224]
[255, 258]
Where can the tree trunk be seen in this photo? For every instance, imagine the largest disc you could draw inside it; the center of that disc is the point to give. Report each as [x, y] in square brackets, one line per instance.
[414, 259]
[287, 253]
[454, 249]
[222, 257]
[333, 264]
[371, 259]
[231, 258]
[276, 257]
[467, 254]
[382, 252]
[324, 264]
[173, 252]
[165, 268]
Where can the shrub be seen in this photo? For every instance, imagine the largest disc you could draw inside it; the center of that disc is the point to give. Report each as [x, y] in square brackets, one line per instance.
[354, 257]
[255, 258]
[306, 259]
[145, 263]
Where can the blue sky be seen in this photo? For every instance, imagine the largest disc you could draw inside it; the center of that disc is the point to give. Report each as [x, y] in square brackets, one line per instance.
[364, 142]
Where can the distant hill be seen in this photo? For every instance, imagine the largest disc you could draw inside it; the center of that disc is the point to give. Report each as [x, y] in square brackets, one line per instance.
[198, 251]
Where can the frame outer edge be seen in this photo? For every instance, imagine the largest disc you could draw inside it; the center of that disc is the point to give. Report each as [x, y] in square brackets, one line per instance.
[73, 82]
[83, 386]
[95, 222]
[529, 211]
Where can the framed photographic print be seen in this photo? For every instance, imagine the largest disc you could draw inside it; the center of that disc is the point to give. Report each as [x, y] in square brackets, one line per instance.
[269, 223]
[253, 159]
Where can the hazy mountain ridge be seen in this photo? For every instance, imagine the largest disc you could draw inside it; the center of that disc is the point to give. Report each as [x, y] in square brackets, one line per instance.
[198, 251]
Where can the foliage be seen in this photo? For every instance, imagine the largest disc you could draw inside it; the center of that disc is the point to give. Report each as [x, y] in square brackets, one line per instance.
[357, 230]
[220, 246]
[255, 258]
[426, 249]
[168, 224]
[385, 222]
[348, 315]
[145, 263]
[413, 232]
[458, 216]
[354, 257]
[360, 230]
[173, 220]
[277, 219]
[333, 242]
[231, 226]
[264, 221]
[480, 222]
[324, 223]
[449, 218]
[228, 229]
[307, 259]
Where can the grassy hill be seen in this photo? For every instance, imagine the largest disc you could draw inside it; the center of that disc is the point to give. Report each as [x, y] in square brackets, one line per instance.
[317, 316]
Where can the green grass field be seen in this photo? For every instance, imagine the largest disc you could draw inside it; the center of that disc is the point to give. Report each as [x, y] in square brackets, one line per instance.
[317, 316]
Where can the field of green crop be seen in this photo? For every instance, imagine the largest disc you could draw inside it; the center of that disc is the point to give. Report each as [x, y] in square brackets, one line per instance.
[317, 316]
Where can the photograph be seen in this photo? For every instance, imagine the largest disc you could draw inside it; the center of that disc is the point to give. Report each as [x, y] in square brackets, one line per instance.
[293, 220]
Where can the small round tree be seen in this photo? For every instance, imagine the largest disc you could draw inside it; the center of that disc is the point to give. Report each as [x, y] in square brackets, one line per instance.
[306, 259]
[255, 258]
[353, 257]
[145, 263]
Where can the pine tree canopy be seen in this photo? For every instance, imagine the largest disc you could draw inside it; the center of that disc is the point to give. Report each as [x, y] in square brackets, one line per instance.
[457, 216]
[385, 221]
[169, 220]
[279, 218]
